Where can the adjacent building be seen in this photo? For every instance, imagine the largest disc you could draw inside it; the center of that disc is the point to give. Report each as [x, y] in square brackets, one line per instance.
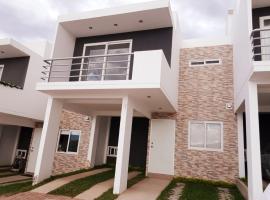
[21, 106]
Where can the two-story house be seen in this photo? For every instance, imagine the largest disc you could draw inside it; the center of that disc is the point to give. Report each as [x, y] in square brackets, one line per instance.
[251, 40]
[125, 88]
[21, 106]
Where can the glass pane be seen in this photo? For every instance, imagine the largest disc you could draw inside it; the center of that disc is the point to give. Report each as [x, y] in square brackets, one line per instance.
[197, 134]
[73, 142]
[63, 141]
[93, 66]
[213, 136]
[267, 22]
[116, 66]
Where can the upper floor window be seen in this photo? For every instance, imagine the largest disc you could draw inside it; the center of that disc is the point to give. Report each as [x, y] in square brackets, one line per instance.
[206, 135]
[106, 61]
[1, 71]
[68, 141]
[204, 62]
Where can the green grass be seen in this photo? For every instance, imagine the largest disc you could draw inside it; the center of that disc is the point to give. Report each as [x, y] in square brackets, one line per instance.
[76, 187]
[14, 188]
[202, 191]
[236, 194]
[108, 195]
[199, 189]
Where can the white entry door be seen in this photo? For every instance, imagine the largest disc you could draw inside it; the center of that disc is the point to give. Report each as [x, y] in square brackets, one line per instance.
[162, 147]
[33, 152]
[265, 35]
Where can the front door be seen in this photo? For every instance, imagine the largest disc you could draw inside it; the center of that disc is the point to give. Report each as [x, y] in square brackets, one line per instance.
[265, 37]
[33, 150]
[162, 146]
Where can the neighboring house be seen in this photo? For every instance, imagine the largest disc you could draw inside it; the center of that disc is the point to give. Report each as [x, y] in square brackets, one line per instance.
[125, 88]
[22, 108]
[251, 39]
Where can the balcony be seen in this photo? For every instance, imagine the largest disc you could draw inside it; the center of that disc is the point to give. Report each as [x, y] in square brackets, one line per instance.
[260, 39]
[89, 68]
[143, 75]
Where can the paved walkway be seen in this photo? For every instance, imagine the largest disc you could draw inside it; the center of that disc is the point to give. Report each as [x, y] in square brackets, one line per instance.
[44, 189]
[100, 188]
[14, 178]
[177, 191]
[35, 196]
[149, 189]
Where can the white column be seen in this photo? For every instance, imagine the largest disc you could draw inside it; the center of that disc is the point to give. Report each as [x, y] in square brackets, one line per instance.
[48, 140]
[93, 141]
[255, 189]
[122, 162]
[241, 148]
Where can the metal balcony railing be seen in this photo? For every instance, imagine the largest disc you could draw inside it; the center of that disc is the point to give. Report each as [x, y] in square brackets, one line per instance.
[88, 68]
[260, 39]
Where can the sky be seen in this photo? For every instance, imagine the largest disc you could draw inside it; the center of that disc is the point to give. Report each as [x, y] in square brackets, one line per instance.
[26, 20]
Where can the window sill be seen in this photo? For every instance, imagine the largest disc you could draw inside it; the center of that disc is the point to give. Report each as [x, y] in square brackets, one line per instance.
[205, 149]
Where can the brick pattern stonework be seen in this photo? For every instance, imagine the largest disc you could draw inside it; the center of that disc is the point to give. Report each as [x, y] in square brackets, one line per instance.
[203, 94]
[63, 162]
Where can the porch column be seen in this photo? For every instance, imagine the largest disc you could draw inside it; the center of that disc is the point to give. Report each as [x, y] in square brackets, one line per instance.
[122, 162]
[255, 189]
[48, 140]
[93, 141]
[241, 148]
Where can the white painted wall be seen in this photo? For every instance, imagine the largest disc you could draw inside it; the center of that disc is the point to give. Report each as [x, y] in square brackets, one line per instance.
[162, 147]
[63, 47]
[102, 143]
[47, 146]
[28, 102]
[242, 58]
[8, 144]
[152, 68]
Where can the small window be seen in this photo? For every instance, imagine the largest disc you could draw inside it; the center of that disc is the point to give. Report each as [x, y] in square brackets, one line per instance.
[206, 135]
[1, 71]
[205, 62]
[196, 63]
[68, 141]
[213, 62]
[266, 22]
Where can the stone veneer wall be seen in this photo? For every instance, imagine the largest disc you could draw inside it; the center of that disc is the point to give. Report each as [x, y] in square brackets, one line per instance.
[203, 94]
[64, 162]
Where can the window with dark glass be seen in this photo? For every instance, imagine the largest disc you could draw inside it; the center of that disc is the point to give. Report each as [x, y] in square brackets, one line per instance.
[68, 141]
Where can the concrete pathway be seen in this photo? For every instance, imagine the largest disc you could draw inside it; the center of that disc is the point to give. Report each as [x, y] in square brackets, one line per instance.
[176, 192]
[44, 189]
[34, 196]
[149, 189]
[224, 194]
[14, 178]
[100, 188]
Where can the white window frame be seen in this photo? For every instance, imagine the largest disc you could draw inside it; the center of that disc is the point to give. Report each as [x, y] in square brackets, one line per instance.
[204, 62]
[67, 152]
[1, 72]
[130, 41]
[205, 136]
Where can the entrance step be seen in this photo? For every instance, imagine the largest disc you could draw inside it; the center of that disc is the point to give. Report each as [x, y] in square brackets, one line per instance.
[149, 189]
[44, 189]
[97, 190]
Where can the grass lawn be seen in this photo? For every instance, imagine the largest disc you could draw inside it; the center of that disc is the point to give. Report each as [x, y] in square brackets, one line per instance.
[15, 188]
[76, 187]
[198, 189]
[108, 195]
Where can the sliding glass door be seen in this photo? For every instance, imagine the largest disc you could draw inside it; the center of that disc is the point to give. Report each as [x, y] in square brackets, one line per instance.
[106, 61]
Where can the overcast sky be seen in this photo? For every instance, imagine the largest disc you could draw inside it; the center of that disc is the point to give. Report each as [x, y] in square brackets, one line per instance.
[36, 19]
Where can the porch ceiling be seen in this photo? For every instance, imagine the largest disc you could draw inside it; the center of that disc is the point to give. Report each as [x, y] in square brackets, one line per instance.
[260, 3]
[127, 18]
